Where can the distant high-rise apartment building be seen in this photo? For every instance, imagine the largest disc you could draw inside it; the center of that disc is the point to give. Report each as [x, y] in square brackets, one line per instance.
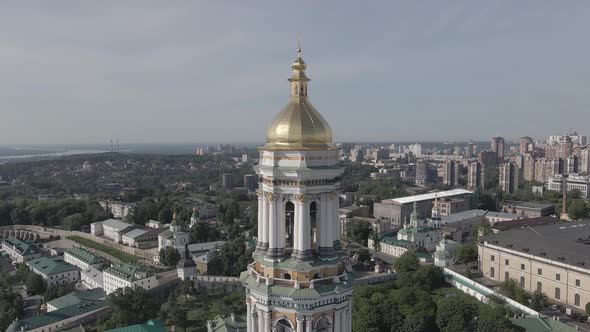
[543, 169]
[584, 162]
[470, 150]
[357, 154]
[498, 147]
[528, 168]
[250, 182]
[557, 166]
[475, 175]
[526, 145]
[227, 181]
[508, 177]
[451, 173]
[422, 173]
[416, 149]
[487, 158]
[571, 165]
[565, 147]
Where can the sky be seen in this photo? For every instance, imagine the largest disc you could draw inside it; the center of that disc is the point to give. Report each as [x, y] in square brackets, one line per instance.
[216, 71]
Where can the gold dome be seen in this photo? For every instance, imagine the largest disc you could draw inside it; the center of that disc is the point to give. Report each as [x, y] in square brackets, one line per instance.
[299, 126]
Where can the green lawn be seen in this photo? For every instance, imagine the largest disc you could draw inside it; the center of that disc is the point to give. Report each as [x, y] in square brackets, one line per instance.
[123, 257]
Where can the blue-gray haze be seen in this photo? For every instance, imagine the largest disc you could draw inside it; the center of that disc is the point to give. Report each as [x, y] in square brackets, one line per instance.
[215, 71]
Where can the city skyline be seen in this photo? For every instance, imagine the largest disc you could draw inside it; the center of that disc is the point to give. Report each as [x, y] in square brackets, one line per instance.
[83, 74]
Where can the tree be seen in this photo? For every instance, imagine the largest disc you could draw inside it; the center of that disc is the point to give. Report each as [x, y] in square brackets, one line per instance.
[131, 306]
[231, 260]
[588, 308]
[577, 210]
[493, 319]
[35, 284]
[358, 231]
[376, 241]
[455, 314]
[407, 262]
[169, 256]
[73, 222]
[466, 254]
[539, 301]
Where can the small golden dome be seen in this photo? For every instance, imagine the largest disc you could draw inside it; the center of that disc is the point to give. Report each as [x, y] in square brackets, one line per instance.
[299, 126]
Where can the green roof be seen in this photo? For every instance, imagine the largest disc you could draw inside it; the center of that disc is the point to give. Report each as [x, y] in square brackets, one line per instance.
[125, 271]
[227, 324]
[395, 242]
[85, 256]
[542, 324]
[22, 247]
[294, 293]
[416, 230]
[56, 315]
[75, 298]
[50, 265]
[152, 325]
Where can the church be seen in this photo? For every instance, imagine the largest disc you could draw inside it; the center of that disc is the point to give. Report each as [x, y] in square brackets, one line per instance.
[299, 280]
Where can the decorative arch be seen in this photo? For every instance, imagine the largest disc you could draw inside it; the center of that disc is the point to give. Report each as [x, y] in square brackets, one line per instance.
[323, 324]
[283, 324]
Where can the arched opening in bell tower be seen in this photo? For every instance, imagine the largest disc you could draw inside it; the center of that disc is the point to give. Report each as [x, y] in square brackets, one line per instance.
[289, 226]
[313, 212]
[284, 325]
[323, 325]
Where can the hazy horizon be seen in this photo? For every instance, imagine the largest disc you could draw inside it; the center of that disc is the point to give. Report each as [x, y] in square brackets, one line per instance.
[388, 71]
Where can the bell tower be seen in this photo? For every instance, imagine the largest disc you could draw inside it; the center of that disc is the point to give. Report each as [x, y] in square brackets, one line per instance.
[299, 279]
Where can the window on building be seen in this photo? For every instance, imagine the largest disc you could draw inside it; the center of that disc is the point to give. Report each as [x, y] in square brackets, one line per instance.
[577, 300]
[557, 293]
[539, 286]
[492, 272]
[522, 282]
[507, 262]
[492, 258]
[577, 282]
[506, 276]
[539, 272]
[522, 266]
[557, 276]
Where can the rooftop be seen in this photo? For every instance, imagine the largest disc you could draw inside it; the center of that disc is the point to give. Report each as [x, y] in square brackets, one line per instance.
[126, 271]
[55, 316]
[531, 205]
[519, 223]
[426, 197]
[22, 247]
[152, 325]
[50, 265]
[75, 298]
[570, 242]
[542, 324]
[227, 324]
[116, 224]
[85, 255]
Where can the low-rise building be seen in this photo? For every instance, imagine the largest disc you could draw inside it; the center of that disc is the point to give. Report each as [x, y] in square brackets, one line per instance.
[83, 258]
[553, 259]
[152, 325]
[20, 251]
[75, 298]
[574, 182]
[92, 277]
[83, 312]
[447, 206]
[111, 228]
[529, 209]
[54, 270]
[392, 246]
[127, 275]
[398, 210]
[119, 210]
[445, 253]
[130, 238]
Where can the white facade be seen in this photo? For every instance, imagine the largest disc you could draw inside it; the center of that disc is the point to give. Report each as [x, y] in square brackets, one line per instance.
[54, 271]
[92, 277]
[111, 228]
[113, 281]
[574, 181]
